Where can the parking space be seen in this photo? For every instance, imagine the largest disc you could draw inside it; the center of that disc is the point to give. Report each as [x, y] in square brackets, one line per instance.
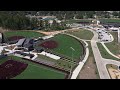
[104, 36]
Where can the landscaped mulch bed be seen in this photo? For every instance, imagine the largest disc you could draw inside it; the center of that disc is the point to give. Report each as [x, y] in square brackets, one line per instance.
[11, 68]
[49, 44]
[12, 38]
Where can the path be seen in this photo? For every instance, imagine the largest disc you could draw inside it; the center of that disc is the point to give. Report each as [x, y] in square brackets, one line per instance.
[109, 51]
[100, 61]
[81, 63]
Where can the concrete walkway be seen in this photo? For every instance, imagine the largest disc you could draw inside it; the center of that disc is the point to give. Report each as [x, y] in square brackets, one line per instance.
[109, 51]
[100, 61]
[81, 63]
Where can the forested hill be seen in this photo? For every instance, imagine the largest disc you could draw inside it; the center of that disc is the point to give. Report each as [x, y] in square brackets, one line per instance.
[17, 20]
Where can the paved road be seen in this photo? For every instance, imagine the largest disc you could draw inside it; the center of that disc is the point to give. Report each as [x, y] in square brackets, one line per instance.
[103, 73]
[100, 61]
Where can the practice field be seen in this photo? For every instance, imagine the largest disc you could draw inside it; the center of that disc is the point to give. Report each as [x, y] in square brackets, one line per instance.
[37, 71]
[65, 43]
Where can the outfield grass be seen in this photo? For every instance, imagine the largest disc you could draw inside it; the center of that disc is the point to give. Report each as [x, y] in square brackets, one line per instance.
[27, 34]
[82, 34]
[40, 72]
[64, 44]
[37, 71]
[104, 53]
[114, 47]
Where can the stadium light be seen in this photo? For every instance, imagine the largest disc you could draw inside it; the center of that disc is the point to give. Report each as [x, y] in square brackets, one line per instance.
[71, 61]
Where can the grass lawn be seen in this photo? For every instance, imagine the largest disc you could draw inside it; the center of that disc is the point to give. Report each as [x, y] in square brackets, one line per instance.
[110, 20]
[28, 34]
[64, 44]
[75, 21]
[82, 34]
[91, 72]
[104, 53]
[36, 71]
[114, 47]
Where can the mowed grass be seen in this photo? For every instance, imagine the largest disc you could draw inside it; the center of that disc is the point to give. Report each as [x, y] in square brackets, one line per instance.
[104, 53]
[75, 21]
[113, 46]
[27, 34]
[36, 71]
[64, 44]
[82, 34]
[110, 20]
[92, 71]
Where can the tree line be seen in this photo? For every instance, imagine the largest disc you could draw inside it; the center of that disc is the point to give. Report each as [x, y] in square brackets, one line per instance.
[17, 20]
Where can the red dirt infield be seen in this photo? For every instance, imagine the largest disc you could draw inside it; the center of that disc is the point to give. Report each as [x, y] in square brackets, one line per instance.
[12, 38]
[11, 68]
[49, 44]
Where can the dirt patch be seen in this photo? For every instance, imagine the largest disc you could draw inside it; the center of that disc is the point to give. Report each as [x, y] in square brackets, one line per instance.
[11, 68]
[49, 44]
[10, 47]
[15, 38]
[89, 70]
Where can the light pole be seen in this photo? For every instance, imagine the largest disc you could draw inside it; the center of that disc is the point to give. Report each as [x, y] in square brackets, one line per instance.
[71, 61]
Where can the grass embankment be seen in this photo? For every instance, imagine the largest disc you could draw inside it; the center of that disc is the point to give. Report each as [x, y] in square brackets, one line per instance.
[104, 53]
[89, 70]
[113, 46]
[82, 34]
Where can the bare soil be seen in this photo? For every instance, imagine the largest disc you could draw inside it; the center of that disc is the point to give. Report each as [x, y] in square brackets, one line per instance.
[89, 70]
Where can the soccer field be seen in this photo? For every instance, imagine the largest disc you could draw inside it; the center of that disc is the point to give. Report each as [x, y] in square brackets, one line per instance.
[36, 71]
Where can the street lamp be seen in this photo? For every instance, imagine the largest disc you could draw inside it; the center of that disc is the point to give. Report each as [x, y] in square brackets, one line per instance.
[71, 61]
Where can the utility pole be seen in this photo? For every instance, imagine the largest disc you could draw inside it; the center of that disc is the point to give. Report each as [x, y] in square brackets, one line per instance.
[71, 61]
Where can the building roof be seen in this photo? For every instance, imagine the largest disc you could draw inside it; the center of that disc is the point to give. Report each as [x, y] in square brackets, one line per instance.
[20, 42]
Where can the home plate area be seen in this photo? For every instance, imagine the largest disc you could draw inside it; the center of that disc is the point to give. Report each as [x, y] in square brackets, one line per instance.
[11, 68]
